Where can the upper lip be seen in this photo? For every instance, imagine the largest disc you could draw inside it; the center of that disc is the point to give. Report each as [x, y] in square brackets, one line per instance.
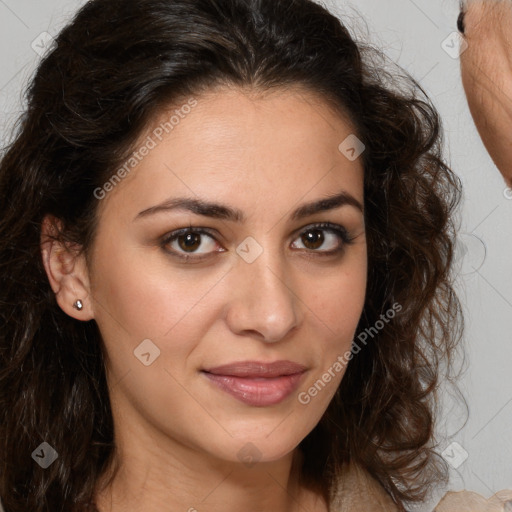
[258, 369]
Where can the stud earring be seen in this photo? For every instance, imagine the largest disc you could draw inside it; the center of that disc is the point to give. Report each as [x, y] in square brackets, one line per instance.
[78, 305]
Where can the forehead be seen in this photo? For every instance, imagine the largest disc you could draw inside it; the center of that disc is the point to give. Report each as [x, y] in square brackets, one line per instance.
[243, 138]
[239, 107]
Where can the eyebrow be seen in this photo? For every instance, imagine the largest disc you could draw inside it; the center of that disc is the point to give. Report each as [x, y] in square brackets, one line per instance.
[224, 212]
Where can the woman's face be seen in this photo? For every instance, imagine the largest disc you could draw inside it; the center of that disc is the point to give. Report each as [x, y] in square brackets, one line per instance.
[255, 280]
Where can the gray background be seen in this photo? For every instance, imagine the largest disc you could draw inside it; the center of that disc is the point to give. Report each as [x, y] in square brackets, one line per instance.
[412, 34]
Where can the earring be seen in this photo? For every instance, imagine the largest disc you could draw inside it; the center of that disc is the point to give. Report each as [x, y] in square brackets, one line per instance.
[78, 305]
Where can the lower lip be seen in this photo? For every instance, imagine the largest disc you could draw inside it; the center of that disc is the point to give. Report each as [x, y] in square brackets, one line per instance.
[258, 392]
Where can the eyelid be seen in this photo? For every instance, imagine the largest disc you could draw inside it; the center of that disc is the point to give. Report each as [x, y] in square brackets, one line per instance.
[327, 226]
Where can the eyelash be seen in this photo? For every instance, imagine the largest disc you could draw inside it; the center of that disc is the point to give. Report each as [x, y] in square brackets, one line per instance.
[326, 226]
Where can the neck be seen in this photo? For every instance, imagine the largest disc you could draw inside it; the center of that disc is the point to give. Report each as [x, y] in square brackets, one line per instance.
[188, 481]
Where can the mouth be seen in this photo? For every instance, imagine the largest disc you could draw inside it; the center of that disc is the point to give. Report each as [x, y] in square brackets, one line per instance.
[256, 383]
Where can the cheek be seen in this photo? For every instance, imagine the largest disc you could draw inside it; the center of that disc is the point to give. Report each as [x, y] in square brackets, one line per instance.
[338, 302]
[140, 292]
[336, 309]
[139, 299]
[343, 309]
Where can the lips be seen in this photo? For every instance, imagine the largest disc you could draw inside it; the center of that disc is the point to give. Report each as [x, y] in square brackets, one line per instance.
[257, 369]
[257, 383]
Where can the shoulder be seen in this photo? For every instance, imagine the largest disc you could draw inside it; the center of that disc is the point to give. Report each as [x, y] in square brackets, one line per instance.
[467, 501]
[357, 490]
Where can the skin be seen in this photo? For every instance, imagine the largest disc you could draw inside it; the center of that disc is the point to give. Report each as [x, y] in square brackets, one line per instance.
[486, 67]
[177, 435]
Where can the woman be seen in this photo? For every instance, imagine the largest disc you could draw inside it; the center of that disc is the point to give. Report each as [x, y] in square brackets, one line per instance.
[226, 244]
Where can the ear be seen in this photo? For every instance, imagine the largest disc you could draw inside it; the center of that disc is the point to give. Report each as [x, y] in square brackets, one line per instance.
[66, 270]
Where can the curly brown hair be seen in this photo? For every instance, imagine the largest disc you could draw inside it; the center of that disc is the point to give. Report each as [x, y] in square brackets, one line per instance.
[115, 65]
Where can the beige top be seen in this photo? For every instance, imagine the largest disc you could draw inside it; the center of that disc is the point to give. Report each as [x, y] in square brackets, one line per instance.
[466, 501]
[359, 491]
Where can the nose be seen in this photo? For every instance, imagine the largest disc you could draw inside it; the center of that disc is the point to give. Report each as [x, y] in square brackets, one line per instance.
[264, 302]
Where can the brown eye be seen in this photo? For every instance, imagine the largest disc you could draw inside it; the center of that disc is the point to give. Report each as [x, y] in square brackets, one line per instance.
[190, 241]
[313, 239]
[324, 238]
